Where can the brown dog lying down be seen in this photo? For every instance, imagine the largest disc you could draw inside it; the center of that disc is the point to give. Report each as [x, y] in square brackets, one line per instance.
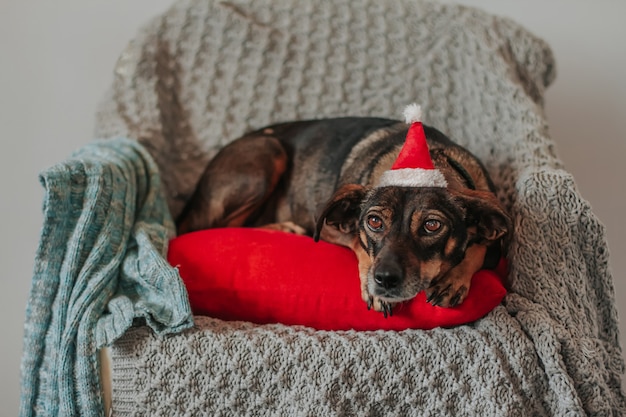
[327, 178]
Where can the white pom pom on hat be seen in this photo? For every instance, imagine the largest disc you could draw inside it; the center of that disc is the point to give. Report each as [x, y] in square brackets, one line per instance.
[413, 167]
[412, 113]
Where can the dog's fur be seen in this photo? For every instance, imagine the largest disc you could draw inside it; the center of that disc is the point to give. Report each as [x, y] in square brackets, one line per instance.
[319, 178]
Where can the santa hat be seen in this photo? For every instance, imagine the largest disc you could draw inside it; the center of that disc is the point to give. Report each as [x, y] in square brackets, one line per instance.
[413, 166]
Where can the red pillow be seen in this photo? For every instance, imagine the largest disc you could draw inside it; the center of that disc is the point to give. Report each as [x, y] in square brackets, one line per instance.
[265, 276]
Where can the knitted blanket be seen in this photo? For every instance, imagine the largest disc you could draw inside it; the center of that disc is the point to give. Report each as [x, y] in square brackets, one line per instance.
[207, 71]
[99, 265]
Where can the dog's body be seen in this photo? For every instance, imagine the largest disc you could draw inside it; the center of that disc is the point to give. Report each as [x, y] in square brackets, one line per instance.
[319, 177]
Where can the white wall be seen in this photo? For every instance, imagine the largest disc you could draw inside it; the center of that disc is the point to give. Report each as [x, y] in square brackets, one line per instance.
[56, 60]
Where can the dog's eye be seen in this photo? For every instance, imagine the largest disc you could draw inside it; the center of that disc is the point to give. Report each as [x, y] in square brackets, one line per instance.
[375, 223]
[431, 226]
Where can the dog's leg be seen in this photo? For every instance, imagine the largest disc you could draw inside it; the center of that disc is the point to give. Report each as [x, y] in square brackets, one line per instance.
[287, 227]
[338, 224]
[451, 289]
[235, 184]
[345, 237]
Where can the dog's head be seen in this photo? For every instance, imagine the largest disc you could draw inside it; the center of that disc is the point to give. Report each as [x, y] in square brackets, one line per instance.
[406, 238]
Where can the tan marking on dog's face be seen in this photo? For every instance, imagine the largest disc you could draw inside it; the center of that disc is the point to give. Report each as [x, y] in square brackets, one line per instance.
[451, 245]
[364, 264]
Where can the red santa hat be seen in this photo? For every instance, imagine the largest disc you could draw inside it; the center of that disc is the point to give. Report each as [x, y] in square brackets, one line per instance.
[413, 166]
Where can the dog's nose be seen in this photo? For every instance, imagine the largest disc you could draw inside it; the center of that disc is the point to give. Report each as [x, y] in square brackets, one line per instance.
[388, 275]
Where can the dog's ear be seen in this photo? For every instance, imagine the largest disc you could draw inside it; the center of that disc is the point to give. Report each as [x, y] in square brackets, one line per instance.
[486, 214]
[337, 222]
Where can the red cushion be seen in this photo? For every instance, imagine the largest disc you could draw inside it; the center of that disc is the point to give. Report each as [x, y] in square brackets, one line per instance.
[265, 276]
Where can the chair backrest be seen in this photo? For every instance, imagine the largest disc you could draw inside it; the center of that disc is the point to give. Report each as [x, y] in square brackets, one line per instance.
[205, 72]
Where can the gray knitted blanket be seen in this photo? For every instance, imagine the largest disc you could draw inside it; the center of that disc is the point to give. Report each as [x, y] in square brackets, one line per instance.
[207, 71]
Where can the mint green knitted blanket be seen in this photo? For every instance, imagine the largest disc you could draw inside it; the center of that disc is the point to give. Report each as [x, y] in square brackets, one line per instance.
[99, 266]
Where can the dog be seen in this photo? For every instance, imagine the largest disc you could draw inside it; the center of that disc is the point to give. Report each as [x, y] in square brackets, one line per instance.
[319, 178]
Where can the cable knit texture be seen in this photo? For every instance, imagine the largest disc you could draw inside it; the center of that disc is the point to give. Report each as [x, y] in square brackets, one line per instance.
[205, 72]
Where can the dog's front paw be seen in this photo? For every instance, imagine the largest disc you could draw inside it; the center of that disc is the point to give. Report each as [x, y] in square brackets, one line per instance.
[373, 302]
[379, 305]
[449, 291]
